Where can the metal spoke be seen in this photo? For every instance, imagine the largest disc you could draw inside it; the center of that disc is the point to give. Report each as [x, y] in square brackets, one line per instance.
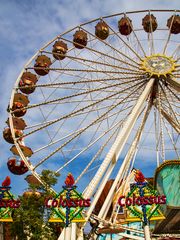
[121, 53]
[171, 138]
[82, 60]
[169, 35]
[79, 110]
[82, 130]
[109, 56]
[92, 143]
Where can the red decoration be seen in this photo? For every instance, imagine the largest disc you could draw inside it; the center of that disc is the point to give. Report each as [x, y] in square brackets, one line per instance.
[69, 180]
[6, 182]
[139, 177]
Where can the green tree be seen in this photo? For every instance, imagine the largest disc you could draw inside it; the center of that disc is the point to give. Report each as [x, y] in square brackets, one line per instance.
[30, 221]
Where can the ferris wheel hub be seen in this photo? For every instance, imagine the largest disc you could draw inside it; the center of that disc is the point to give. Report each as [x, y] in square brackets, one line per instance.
[158, 65]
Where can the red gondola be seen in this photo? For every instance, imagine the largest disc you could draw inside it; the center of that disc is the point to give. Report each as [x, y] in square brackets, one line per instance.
[125, 26]
[42, 65]
[102, 30]
[149, 23]
[59, 50]
[31, 179]
[30, 193]
[18, 123]
[173, 24]
[17, 167]
[20, 101]
[8, 136]
[27, 151]
[80, 39]
[27, 83]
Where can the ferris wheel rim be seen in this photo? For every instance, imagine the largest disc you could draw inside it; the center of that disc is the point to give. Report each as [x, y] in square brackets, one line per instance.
[41, 51]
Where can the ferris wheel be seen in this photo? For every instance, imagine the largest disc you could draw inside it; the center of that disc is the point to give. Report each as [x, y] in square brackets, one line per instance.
[98, 100]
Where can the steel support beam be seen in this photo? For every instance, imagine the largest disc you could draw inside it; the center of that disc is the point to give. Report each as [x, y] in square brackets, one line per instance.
[125, 165]
[116, 149]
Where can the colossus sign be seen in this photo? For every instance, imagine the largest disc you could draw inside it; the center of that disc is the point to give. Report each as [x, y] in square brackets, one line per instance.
[141, 200]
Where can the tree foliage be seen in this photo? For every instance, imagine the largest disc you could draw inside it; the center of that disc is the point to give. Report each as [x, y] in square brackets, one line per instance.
[30, 221]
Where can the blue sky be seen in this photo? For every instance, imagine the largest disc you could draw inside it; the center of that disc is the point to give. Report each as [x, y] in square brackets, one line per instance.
[25, 26]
